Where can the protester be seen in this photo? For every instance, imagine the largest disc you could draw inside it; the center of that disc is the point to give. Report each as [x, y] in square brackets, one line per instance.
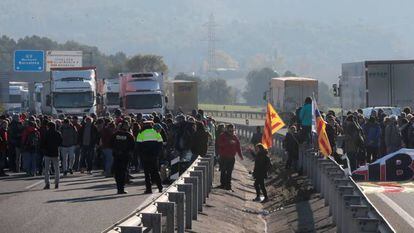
[15, 134]
[88, 139]
[291, 145]
[305, 116]
[228, 146]
[52, 143]
[393, 140]
[261, 167]
[30, 147]
[354, 142]
[200, 144]
[372, 132]
[69, 140]
[106, 137]
[3, 146]
[257, 136]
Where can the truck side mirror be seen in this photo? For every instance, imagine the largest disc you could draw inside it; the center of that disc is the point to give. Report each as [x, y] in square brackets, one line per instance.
[335, 90]
[166, 99]
[48, 101]
[265, 96]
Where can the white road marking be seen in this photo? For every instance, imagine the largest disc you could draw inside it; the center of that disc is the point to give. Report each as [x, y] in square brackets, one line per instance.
[35, 184]
[401, 212]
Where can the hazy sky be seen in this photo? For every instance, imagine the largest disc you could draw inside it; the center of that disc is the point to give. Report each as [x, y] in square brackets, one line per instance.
[168, 27]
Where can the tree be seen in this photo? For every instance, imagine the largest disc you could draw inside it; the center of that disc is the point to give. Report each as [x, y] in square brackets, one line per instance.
[146, 63]
[289, 73]
[220, 93]
[257, 83]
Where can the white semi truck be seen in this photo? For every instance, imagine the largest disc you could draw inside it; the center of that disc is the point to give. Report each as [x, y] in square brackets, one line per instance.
[376, 84]
[70, 91]
[109, 90]
[37, 97]
[142, 92]
[18, 99]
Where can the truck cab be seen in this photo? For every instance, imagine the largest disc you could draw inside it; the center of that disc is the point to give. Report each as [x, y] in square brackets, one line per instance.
[142, 92]
[37, 97]
[111, 94]
[72, 91]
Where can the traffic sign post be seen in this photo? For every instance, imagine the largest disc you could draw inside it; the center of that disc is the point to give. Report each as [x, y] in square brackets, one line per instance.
[29, 60]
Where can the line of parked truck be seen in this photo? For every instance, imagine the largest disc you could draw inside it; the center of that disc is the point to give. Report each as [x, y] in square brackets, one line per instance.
[78, 91]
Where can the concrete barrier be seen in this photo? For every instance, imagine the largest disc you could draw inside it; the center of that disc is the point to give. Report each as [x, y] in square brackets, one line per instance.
[175, 208]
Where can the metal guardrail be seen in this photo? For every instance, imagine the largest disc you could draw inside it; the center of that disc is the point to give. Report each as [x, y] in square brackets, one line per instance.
[236, 114]
[177, 206]
[348, 205]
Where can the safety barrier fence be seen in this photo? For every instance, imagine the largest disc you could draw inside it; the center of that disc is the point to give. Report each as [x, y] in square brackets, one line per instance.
[349, 207]
[236, 114]
[176, 208]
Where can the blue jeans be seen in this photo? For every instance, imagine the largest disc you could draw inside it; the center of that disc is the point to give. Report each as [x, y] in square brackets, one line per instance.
[108, 159]
[29, 162]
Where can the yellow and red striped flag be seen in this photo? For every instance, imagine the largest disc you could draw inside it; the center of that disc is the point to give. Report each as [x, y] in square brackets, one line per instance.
[320, 127]
[273, 123]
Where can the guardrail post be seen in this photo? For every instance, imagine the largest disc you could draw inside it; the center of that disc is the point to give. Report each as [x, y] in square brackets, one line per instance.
[323, 164]
[347, 215]
[367, 224]
[337, 183]
[200, 186]
[210, 161]
[194, 182]
[207, 185]
[342, 191]
[203, 169]
[167, 209]
[179, 199]
[130, 229]
[152, 221]
[331, 173]
[357, 211]
[187, 189]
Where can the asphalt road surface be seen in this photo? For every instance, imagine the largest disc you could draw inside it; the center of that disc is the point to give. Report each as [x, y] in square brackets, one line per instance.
[83, 203]
[396, 207]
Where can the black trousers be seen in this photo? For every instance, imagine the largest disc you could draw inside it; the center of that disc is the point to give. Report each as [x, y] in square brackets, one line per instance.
[259, 185]
[151, 172]
[227, 165]
[120, 166]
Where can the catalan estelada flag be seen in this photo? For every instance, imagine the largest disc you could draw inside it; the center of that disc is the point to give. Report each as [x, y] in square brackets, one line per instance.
[272, 124]
[320, 128]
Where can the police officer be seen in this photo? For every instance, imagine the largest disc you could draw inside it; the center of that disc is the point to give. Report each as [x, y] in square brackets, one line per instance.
[149, 143]
[122, 143]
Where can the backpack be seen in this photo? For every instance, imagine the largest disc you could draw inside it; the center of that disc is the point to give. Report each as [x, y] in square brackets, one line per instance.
[32, 141]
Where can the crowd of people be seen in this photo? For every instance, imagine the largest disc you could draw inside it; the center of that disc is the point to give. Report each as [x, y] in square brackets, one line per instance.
[364, 138]
[118, 145]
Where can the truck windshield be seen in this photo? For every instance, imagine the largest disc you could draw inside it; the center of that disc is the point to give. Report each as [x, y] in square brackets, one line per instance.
[112, 98]
[144, 101]
[15, 99]
[73, 100]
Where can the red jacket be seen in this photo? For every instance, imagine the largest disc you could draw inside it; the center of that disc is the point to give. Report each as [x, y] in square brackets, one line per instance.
[3, 141]
[228, 146]
[28, 130]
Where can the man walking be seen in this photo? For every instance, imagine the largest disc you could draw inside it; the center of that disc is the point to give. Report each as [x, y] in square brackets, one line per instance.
[52, 143]
[69, 140]
[228, 146]
[88, 138]
[122, 144]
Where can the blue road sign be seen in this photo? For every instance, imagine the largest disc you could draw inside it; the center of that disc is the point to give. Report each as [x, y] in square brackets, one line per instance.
[29, 60]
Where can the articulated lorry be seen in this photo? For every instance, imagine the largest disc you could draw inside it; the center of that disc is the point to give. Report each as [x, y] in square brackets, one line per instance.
[108, 89]
[182, 96]
[142, 92]
[288, 93]
[70, 91]
[18, 99]
[376, 83]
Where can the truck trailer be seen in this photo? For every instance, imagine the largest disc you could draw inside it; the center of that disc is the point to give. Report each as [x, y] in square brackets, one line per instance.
[182, 95]
[376, 83]
[288, 93]
[70, 91]
[142, 92]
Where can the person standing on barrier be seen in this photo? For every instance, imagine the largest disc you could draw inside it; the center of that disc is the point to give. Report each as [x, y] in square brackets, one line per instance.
[291, 145]
[149, 143]
[261, 166]
[305, 116]
[122, 143]
[229, 146]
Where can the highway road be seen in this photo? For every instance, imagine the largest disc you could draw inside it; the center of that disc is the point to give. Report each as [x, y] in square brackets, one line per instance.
[395, 203]
[83, 203]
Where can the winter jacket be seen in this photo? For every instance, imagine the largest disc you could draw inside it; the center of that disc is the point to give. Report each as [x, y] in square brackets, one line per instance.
[25, 138]
[291, 145]
[256, 138]
[352, 137]
[106, 137]
[52, 143]
[305, 115]
[228, 146]
[200, 143]
[122, 143]
[69, 135]
[393, 138]
[261, 165]
[94, 137]
[372, 134]
[149, 144]
[15, 133]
